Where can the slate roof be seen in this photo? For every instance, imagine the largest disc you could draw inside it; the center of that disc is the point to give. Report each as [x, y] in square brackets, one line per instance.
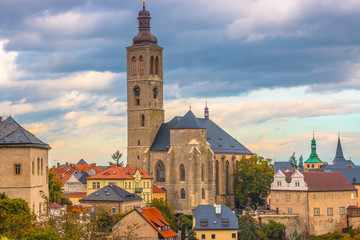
[352, 175]
[111, 193]
[283, 166]
[220, 141]
[82, 161]
[81, 176]
[155, 219]
[340, 165]
[339, 156]
[324, 181]
[12, 133]
[206, 213]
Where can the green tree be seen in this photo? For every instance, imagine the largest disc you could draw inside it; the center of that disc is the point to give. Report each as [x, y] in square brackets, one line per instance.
[301, 162]
[56, 193]
[252, 179]
[249, 228]
[116, 157]
[293, 161]
[272, 230]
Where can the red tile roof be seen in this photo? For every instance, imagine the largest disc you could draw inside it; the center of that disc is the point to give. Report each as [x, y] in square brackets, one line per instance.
[86, 168]
[76, 195]
[156, 189]
[324, 181]
[119, 173]
[155, 219]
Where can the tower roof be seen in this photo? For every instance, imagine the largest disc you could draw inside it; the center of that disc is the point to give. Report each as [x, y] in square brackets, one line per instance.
[313, 158]
[189, 121]
[12, 133]
[144, 36]
[339, 156]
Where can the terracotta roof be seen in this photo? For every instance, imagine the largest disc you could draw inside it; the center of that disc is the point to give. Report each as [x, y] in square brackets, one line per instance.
[86, 168]
[155, 219]
[156, 189]
[324, 181]
[120, 173]
[76, 195]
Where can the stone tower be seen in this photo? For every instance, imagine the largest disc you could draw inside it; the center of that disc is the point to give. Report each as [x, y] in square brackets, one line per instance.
[144, 90]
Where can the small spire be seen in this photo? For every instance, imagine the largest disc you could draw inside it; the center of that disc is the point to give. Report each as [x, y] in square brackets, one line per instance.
[206, 111]
[143, 4]
[313, 134]
[190, 107]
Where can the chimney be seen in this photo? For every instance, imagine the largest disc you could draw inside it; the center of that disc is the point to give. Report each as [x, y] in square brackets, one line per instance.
[58, 164]
[217, 209]
[67, 164]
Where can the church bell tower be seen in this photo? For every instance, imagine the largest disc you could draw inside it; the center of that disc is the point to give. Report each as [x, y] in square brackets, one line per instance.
[144, 91]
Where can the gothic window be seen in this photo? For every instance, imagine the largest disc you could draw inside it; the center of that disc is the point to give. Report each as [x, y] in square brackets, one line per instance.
[17, 169]
[227, 177]
[141, 65]
[157, 66]
[152, 65]
[160, 171]
[202, 172]
[33, 168]
[42, 165]
[217, 176]
[182, 193]
[203, 193]
[182, 172]
[38, 166]
[133, 66]
[142, 120]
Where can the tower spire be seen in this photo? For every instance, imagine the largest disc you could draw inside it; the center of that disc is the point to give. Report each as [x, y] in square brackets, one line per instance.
[206, 111]
[339, 156]
[144, 36]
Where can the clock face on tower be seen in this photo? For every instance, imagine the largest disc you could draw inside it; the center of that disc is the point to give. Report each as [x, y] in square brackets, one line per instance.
[155, 91]
[136, 90]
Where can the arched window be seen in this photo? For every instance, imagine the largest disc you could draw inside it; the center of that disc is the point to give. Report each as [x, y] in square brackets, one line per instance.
[152, 65]
[133, 66]
[160, 171]
[142, 120]
[182, 193]
[227, 177]
[157, 66]
[202, 172]
[217, 176]
[141, 65]
[203, 193]
[182, 172]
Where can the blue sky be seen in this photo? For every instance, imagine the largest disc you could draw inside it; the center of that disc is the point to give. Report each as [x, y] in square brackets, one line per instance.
[272, 71]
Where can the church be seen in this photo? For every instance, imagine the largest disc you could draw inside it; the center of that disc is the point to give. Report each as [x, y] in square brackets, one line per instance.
[191, 158]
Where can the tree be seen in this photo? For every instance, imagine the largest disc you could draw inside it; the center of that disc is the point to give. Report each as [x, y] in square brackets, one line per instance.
[292, 161]
[55, 191]
[252, 179]
[116, 157]
[272, 230]
[301, 162]
[249, 228]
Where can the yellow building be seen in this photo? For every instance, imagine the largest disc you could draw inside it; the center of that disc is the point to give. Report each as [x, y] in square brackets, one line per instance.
[320, 199]
[23, 164]
[131, 179]
[158, 193]
[215, 222]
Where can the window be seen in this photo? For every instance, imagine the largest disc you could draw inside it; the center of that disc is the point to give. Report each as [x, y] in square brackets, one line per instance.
[141, 65]
[138, 156]
[17, 169]
[113, 183]
[182, 172]
[138, 142]
[279, 183]
[308, 166]
[160, 171]
[133, 66]
[341, 210]
[217, 176]
[202, 172]
[297, 184]
[203, 222]
[277, 196]
[314, 196]
[212, 236]
[113, 210]
[42, 164]
[152, 65]
[339, 196]
[125, 184]
[96, 185]
[203, 193]
[129, 184]
[147, 184]
[312, 165]
[157, 66]
[225, 222]
[316, 211]
[352, 196]
[289, 210]
[332, 196]
[298, 196]
[137, 100]
[325, 196]
[288, 196]
[234, 235]
[162, 199]
[202, 236]
[38, 166]
[142, 120]
[227, 177]
[329, 211]
[33, 167]
[182, 193]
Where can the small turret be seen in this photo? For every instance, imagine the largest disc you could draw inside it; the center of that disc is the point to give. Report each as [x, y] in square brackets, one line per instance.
[206, 112]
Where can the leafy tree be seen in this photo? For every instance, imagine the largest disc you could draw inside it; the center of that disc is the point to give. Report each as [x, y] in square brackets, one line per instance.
[252, 179]
[272, 230]
[249, 228]
[116, 157]
[56, 193]
[301, 162]
[292, 161]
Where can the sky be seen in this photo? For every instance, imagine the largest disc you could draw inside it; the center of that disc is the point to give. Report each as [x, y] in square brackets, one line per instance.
[272, 71]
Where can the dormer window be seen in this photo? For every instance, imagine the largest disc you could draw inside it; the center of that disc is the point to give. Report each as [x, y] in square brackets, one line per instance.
[297, 184]
[279, 183]
[225, 222]
[203, 222]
